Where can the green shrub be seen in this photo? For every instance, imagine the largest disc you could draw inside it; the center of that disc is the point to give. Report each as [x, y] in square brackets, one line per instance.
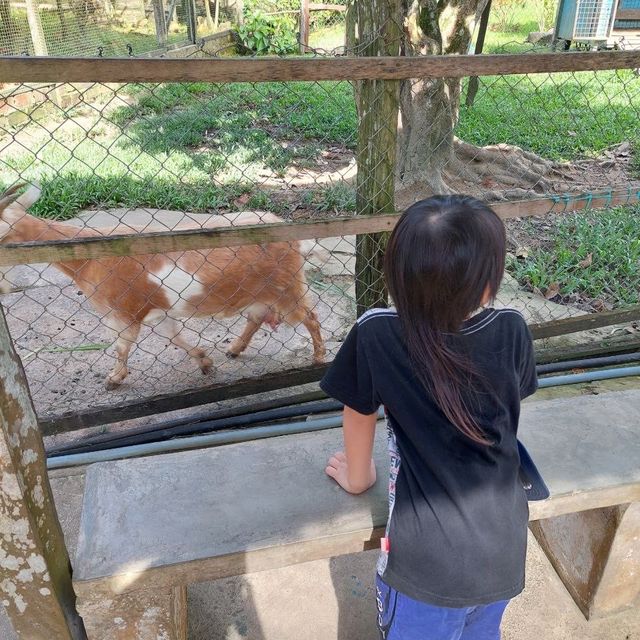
[262, 34]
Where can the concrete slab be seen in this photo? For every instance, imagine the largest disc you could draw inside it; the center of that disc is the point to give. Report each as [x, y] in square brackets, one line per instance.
[334, 600]
[158, 511]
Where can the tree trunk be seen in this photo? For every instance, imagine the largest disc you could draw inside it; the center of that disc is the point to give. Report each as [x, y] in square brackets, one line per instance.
[35, 28]
[429, 155]
[207, 13]
[379, 31]
[429, 107]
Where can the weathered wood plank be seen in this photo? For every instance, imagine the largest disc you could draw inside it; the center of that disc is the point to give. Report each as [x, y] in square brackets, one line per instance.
[267, 69]
[628, 14]
[189, 398]
[318, 6]
[168, 241]
[619, 343]
[304, 26]
[184, 240]
[35, 575]
[584, 322]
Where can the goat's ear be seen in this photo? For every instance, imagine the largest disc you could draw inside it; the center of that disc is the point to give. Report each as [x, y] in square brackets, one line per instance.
[30, 196]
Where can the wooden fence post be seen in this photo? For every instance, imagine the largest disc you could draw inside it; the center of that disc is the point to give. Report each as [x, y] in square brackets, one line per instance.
[304, 26]
[380, 31]
[472, 87]
[35, 572]
[160, 21]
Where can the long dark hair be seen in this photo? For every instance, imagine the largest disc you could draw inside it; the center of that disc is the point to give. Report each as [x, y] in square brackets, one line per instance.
[443, 255]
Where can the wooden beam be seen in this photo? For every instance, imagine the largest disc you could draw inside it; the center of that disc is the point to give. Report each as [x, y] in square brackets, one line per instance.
[35, 576]
[584, 322]
[316, 6]
[628, 14]
[72, 421]
[269, 69]
[184, 240]
[168, 241]
[303, 37]
[474, 83]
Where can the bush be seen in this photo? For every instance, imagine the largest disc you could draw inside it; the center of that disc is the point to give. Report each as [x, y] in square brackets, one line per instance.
[505, 14]
[262, 34]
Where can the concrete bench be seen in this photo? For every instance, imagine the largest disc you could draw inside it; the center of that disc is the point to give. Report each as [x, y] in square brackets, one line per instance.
[151, 526]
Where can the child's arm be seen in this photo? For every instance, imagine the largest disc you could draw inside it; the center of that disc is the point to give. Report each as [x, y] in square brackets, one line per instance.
[353, 469]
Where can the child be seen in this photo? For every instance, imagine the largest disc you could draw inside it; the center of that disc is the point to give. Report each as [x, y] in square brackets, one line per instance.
[451, 377]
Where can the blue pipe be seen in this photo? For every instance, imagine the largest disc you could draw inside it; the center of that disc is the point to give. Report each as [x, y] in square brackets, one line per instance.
[270, 431]
[588, 376]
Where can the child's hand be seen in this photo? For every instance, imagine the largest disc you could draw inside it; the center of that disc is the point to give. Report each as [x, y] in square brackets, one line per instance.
[337, 469]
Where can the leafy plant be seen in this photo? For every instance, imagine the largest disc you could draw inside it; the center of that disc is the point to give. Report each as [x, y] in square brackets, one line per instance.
[546, 13]
[505, 14]
[263, 34]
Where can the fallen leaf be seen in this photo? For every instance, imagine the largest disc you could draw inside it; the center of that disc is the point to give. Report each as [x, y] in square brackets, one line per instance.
[552, 290]
[573, 134]
[587, 262]
[522, 253]
[598, 305]
[242, 200]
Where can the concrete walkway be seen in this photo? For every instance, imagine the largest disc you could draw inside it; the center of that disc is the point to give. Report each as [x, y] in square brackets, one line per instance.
[333, 599]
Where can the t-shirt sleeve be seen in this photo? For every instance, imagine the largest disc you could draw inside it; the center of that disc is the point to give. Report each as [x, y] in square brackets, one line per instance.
[528, 375]
[349, 379]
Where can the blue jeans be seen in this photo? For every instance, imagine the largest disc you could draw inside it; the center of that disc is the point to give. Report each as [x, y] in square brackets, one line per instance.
[403, 618]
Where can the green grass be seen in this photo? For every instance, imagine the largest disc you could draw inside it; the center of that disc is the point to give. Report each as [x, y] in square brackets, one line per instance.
[612, 237]
[560, 116]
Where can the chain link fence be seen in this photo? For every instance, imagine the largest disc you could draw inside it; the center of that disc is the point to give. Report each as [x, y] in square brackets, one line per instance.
[109, 28]
[126, 158]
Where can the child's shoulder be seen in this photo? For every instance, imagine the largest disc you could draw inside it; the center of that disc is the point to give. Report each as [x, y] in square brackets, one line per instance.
[377, 314]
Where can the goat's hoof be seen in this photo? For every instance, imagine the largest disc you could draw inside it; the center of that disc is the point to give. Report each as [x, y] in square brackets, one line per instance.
[231, 355]
[206, 366]
[319, 359]
[111, 385]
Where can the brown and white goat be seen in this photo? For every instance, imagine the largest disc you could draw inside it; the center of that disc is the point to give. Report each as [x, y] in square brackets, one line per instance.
[267, 282]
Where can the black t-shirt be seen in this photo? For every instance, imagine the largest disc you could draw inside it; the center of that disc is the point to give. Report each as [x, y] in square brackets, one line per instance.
[458, 517]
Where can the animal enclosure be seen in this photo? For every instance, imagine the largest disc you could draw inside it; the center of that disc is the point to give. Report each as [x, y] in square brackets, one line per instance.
[227, 217]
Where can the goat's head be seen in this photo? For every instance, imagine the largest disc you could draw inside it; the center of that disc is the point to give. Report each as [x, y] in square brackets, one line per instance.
[13, 209]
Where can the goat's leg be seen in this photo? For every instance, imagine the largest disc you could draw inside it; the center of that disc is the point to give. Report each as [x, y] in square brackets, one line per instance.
[169, 328]
[254, 322]
[127, 335]
[305, 315]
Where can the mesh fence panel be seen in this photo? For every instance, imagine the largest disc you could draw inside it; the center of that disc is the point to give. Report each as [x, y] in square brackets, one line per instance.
[128, 158]
[109, 28]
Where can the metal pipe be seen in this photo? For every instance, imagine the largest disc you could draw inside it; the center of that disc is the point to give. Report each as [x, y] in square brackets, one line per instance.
[306, 426]
[196, 442]
[588, 376]
[265, 411]
[588, 363]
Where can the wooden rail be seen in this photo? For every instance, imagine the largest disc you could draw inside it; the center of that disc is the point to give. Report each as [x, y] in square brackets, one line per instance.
[268, 69]
[184, 240]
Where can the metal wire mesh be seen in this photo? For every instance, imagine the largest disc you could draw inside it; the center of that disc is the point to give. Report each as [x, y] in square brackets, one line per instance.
[106, 27]
[114, 158]
[593, 18]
